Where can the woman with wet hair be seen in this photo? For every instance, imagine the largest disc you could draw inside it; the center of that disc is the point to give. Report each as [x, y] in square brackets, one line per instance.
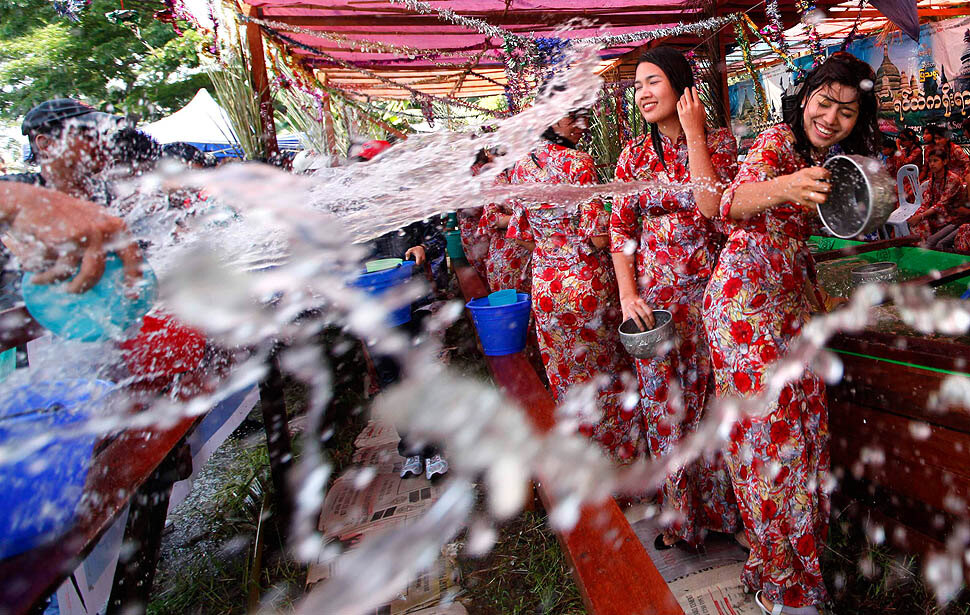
[574, 299]
[664, 251]
[756, 303]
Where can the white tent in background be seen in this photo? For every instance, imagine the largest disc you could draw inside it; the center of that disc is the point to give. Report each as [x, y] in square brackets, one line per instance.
[205, 124]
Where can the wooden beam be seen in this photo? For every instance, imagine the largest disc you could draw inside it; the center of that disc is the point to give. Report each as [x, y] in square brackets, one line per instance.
[523, 19]
[614, 574]
[257, 67]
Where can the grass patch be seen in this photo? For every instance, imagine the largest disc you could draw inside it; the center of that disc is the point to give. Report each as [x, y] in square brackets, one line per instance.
[868, 579]
[525, 572]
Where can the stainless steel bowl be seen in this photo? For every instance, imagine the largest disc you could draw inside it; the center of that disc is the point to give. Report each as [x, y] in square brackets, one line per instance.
[652, 342]
[861, 199]
[884, 272]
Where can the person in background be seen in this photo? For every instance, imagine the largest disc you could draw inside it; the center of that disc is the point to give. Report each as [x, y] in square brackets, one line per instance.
[574, 297]
[757, 302]
[957, 160]
[909, 150]
[424, 242]
[889, 155]
[664, 250]
[944, 203]
[508, 263]
[475, 245]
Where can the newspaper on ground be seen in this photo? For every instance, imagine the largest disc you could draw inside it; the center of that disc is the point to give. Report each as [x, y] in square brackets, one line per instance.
[705, 581]
[371, 497]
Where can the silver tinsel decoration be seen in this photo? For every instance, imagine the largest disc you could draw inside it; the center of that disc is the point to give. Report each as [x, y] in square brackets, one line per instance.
[698, 27]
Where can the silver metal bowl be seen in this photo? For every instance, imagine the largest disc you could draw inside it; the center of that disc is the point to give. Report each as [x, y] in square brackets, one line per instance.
[884, 272]
[861, 199]
[652, 342]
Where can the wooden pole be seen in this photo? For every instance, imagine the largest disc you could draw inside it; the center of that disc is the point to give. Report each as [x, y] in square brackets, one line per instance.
[257, 67]
[329, 133]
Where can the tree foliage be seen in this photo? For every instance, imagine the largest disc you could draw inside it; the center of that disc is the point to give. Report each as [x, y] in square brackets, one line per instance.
[132, 64]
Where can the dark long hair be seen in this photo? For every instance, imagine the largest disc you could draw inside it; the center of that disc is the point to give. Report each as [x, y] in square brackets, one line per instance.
[676, 68]
[848, 70]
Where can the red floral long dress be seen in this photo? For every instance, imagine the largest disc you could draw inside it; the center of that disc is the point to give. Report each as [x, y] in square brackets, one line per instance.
[754, 306]
[507, 264]
[474, 245]
[677, 250]
[574, 295]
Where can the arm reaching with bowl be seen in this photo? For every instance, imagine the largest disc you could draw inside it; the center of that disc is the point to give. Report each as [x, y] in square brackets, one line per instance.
[806, 188]
[54, 233]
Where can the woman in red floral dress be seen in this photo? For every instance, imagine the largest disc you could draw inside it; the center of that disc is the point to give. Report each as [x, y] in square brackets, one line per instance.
[574, 298]
[508, 263]
[756, 303]
[473, 243]
[664, 250]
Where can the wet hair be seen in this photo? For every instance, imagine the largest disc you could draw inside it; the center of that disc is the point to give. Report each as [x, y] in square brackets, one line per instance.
[184, 152]
[677, 69]
[935, 130]
[846, 69]
[888, 141]
[131, 146]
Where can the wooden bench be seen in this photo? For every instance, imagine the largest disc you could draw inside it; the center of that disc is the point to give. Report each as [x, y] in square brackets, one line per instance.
[615, 575]
[128, 492]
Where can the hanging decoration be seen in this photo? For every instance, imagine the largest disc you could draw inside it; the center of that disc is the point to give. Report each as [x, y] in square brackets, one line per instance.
[696, 28]
[811, 17]
[854, 32]
[774, 30]
[417, 94]
[70, 8]
[782, 53]
[759, 91]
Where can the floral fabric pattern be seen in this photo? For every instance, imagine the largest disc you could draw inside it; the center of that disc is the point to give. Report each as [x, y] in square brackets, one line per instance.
[474, 245]
[574, 296]
[676, 252]
[755, 304]
[947, 194]
[507, 264]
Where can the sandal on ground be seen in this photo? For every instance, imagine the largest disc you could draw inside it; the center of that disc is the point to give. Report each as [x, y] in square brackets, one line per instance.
[780, 609]
[660, 545]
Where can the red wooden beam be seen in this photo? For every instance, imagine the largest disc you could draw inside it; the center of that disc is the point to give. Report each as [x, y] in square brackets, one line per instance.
[615, 575]
[257, 67]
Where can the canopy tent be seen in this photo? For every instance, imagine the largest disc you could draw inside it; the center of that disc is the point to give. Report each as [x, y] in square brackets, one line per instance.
[457, 48]
[204, 124]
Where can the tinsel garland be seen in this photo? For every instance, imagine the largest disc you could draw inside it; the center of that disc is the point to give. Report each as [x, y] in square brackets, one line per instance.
[809, 17]
[759, 91]
[472, 23]
[774, 29]
[353, 44]
[70, 8]
[697, 28]
[417, 94]
[798, 72]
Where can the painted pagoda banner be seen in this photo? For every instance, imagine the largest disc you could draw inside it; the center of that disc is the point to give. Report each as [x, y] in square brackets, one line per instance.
[917, 83]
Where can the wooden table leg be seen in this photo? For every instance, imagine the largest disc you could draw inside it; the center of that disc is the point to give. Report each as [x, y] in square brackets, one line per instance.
[134, 577]
[273, 405]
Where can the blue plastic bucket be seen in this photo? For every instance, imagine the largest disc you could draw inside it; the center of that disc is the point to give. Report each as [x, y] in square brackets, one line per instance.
[379, 282]
[39, 493]
[502, 329]
[102, 312]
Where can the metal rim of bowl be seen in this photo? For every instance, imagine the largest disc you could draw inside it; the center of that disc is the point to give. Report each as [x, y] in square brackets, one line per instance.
[670, 318]
[865, 178]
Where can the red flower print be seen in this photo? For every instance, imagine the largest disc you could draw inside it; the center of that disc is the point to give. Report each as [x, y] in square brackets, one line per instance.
[545, 304]
[741, 331]
[590, 303]
[742, 381]
[780, 432]
[768, 510]
[732, 286]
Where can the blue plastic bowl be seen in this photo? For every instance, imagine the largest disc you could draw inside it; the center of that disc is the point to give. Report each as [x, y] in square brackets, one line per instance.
[380, 282]
[502, 329]
[39, 494]
[102, 312]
